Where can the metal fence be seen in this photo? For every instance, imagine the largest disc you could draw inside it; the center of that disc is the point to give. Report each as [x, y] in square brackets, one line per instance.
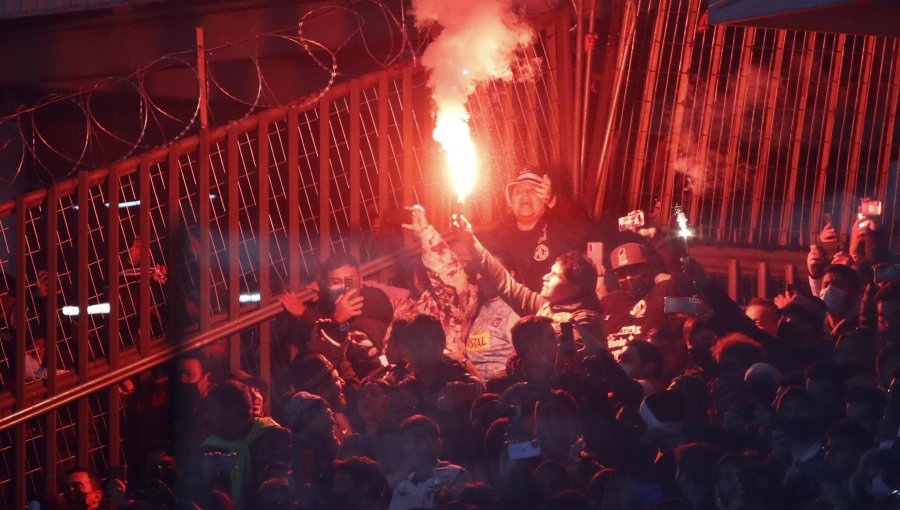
[763, 135]
[192, 236]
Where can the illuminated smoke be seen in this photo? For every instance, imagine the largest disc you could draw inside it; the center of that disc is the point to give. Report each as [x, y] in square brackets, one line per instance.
[476, 44]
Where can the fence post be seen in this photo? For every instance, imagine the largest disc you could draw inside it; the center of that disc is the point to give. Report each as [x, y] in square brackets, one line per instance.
[112, 279]
[324, 178]
[354, 144]
[51, 315]
[262, 237]
[408, 150]
[733, 279]
[234, 233]
[18, 358]
[84, 237]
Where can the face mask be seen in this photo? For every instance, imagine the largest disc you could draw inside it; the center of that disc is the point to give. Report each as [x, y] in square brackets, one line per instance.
[835, 300]
[335, 292]
[636, 286]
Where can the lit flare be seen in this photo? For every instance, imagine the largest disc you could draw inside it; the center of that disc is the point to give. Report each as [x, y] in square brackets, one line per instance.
[452, 132]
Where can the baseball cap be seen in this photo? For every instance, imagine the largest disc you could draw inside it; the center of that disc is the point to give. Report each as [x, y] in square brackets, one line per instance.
[522, 178]
[627, 254]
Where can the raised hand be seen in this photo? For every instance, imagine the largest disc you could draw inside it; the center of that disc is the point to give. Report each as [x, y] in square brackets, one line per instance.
[292, 303]
[348, 305]
[419, 221]
[545, 191]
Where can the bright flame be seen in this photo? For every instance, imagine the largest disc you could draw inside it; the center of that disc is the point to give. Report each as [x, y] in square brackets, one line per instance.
[682, 221]
[476, 44]
[452, 132]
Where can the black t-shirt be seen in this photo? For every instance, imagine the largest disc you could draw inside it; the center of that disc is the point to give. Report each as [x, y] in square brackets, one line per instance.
[530, 253]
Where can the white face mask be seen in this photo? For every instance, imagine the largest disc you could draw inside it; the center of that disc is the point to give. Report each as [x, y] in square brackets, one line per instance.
[835, 300]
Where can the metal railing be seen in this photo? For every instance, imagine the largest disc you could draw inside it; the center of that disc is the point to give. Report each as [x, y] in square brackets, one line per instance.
[176, 238]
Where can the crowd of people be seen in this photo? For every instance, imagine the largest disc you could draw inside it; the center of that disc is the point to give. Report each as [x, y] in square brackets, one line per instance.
[520, 373]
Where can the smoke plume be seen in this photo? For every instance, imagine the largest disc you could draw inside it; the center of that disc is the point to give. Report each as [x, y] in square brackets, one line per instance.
[476, 44]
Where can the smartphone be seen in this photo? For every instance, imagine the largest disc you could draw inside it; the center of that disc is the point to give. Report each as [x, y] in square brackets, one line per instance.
[870, 208]
[352, 283]
[887, 274]
[595, 254]
[686, 305]
[631, 221]
[524, 450]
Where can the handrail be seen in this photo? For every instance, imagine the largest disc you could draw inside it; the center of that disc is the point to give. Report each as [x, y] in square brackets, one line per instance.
[202, 339]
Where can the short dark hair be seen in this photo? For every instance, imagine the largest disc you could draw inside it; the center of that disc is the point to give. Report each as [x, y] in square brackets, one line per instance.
[428, 326]
[421, 426]
[366, 471]
[96, 484]
[738, 349]
[198, 355]
[846, 272]
[579, 271]
[335, 261]
[649, 353]
[530, 330]
[765, 303]
[231, 395]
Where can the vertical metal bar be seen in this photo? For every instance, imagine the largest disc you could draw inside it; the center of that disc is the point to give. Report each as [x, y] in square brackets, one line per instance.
[293, 193]
[50, 341]
[262, 186]
[201, 78]
[115, 425]
[18, 359]
[82, 274]
[145, 299]
[355, 125]
[733, 279]
[324, 178]
[50, 312]
[765, 147]
[787, 212]
[643, 131]
[234, 233]
[575, 158]
[174, 229]
[606, 117]
[408, 154]
[112, 272]
[681, 90]
[21, 467]
[859, 128]
[709, 100]
[586, 96]
[50, 452]
[384, 148]
[762, 279]
[21, 316]
[834, 89]
[884, 155]
[203, 230]
[734, 130]
[112, 264]
[566, 89]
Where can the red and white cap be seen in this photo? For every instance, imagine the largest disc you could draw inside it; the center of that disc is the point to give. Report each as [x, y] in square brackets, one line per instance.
[627, 254]
[522, 178]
